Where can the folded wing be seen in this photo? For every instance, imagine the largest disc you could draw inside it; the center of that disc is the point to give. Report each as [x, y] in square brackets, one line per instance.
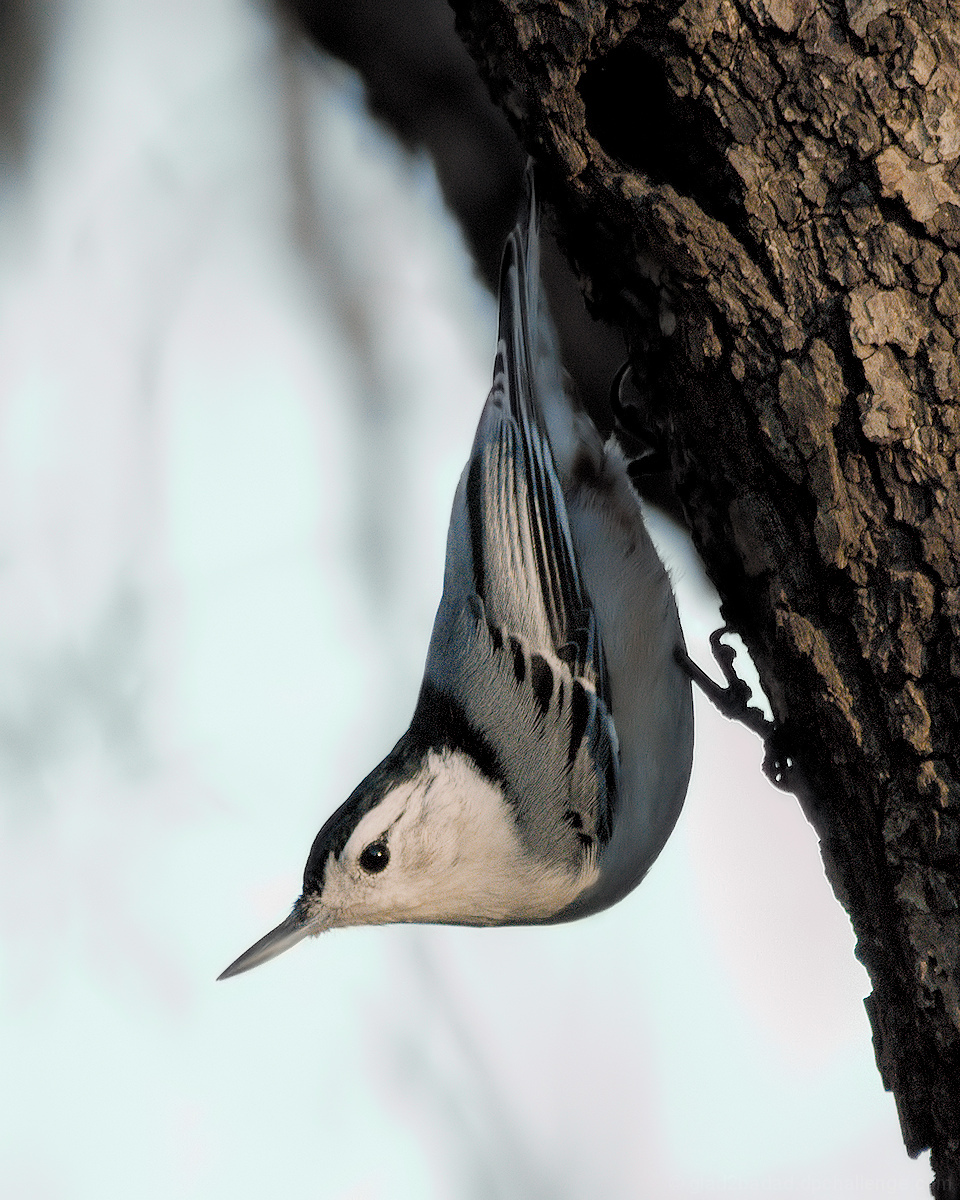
[536, 671]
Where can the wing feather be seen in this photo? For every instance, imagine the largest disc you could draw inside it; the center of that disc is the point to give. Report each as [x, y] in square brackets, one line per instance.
[526, 529]
[530, 668]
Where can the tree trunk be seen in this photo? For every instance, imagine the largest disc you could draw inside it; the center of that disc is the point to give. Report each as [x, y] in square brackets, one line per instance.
[761, 194]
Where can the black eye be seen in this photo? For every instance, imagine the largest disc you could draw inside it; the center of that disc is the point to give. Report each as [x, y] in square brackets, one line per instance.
[374, 858]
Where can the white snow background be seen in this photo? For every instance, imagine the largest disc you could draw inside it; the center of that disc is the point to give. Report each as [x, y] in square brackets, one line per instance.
[242, 353]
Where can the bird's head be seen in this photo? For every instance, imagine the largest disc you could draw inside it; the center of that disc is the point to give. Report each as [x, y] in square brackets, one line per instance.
[428, 839]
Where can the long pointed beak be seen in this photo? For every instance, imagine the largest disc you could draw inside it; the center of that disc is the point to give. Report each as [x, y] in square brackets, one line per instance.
[294, 929]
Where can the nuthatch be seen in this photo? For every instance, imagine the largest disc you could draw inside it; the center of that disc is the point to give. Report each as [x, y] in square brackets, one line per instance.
[549, 753]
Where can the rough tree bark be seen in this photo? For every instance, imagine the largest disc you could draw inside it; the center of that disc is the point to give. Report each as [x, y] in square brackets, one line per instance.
[763, 194]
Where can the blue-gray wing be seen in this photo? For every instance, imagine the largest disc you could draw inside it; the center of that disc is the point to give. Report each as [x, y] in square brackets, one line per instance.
[516, 645]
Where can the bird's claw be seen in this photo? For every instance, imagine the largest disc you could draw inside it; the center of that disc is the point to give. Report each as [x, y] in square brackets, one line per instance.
[652, 456]
[733, 702]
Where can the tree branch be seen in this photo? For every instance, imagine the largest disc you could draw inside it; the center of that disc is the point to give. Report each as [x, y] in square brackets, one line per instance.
[760, 193]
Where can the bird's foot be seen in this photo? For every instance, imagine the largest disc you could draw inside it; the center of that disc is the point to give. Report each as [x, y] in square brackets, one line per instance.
[733, 702]
[651, 456]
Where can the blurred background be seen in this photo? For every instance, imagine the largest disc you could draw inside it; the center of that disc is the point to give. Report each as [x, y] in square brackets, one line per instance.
[243, 346]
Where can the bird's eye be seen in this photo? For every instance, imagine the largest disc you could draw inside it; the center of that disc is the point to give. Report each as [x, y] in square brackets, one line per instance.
[374, 858]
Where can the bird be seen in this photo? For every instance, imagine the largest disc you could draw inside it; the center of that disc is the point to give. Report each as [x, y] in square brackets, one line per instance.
[550, 748]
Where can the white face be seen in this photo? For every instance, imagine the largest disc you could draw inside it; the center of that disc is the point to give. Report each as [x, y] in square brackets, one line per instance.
[441, 847]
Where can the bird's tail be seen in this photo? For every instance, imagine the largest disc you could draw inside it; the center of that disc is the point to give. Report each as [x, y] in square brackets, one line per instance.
[527, 333]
